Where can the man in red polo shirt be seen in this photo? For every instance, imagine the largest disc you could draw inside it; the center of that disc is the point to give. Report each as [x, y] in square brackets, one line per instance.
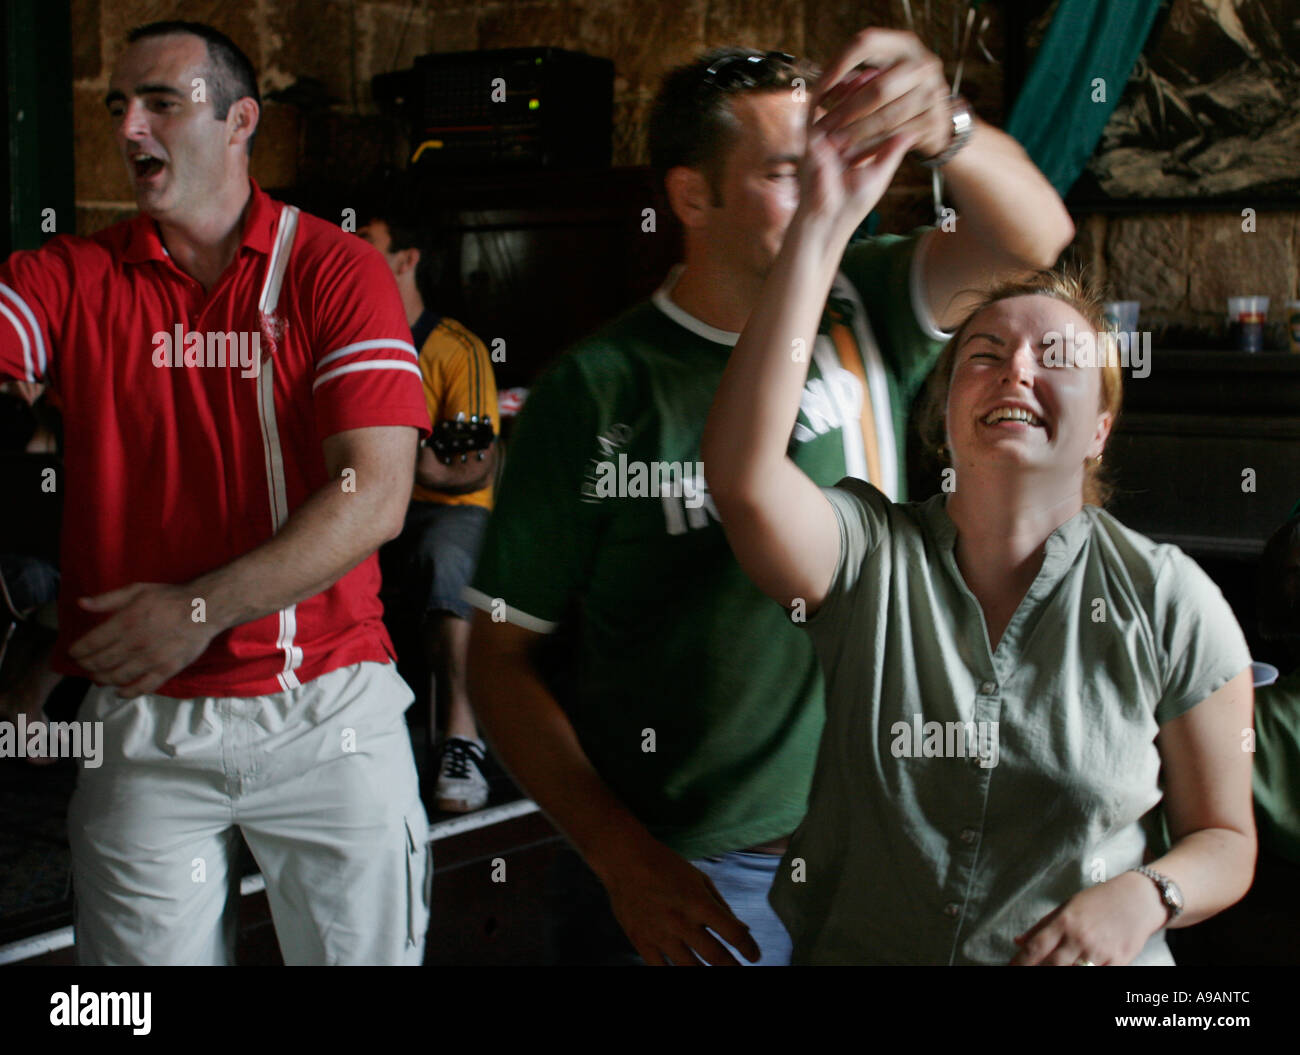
[243, 407]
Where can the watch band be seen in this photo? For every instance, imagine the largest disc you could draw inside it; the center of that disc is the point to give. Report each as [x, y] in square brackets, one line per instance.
[1170, 893]
[963, 125]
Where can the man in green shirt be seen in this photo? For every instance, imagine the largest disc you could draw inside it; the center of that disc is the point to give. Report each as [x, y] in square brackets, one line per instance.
[678, 759]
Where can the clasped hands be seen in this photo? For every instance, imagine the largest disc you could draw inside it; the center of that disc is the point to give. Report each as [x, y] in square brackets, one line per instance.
[883, 95]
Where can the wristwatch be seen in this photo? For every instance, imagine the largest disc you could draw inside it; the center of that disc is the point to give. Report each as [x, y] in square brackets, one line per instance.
[1169, 892]
[963, 124]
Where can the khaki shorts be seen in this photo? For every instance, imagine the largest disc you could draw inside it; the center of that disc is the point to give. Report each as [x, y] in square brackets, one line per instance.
[322, 784]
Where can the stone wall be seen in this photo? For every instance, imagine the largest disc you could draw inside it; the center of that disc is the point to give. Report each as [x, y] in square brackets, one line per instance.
[1184, 266]
[1180, 265]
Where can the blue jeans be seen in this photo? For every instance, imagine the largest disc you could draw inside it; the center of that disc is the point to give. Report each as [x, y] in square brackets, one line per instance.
[582, 929]
[433, 559]
[744, 879]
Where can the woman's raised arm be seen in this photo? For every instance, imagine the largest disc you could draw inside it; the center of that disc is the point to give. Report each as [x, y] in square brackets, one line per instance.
[780, 526]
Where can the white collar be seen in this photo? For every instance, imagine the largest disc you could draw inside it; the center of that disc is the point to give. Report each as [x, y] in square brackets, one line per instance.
[664, 302]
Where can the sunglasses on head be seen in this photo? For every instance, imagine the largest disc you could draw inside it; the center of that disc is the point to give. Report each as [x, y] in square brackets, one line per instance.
[732, 70]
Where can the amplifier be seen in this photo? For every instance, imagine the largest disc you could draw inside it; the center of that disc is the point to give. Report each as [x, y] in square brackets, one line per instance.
[520, 107]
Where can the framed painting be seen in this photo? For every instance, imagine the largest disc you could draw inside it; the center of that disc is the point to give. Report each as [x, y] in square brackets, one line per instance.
[1210, 116]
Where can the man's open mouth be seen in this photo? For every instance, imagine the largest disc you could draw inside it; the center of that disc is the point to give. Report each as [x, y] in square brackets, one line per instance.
[146, 165]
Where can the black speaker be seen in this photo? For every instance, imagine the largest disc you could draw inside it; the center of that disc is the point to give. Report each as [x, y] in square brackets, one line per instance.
[518, 107]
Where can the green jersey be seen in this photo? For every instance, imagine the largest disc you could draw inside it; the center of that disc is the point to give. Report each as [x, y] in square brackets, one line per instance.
[696, 698]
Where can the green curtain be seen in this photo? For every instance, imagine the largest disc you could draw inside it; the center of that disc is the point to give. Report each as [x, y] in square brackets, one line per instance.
[1054, 117]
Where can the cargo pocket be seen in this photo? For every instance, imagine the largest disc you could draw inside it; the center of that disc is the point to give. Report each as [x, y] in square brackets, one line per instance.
[419, 877]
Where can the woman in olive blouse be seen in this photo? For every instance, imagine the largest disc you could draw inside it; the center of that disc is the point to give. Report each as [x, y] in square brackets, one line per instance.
[1015, 681]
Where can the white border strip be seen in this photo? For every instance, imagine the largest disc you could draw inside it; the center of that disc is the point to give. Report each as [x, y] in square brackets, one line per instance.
[37, 945]
[507, 811]
[873, 367]
[850, 426]
[279, 262]
[480, 600]
[272, 449]
[52, 941]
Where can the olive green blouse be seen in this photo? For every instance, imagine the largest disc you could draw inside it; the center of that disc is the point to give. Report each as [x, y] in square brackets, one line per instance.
[961, 794]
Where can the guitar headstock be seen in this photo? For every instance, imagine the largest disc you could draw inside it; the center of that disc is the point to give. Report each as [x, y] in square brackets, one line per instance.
[460, 437]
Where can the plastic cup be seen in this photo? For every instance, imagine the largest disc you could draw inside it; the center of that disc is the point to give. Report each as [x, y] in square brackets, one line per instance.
[1122, 314]
[1246, 317]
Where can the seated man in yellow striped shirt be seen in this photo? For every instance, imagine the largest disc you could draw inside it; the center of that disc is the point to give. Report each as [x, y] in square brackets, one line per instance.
[449, 507]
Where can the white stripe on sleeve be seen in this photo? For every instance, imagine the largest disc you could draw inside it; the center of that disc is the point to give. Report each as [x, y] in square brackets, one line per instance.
[368, 364]
[27, 344]
[12, 294]
[365, 346]
[916, 288]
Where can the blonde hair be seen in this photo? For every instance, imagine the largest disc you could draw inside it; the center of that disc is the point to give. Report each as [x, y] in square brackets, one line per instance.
[1081, 294]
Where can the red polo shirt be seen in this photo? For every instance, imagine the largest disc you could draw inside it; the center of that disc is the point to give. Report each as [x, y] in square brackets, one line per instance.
[174, 470]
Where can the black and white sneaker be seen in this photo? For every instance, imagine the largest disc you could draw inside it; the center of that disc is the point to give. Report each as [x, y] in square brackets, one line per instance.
[462, 788]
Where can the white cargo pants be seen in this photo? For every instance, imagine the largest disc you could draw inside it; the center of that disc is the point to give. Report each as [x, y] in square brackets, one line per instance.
[322, 784]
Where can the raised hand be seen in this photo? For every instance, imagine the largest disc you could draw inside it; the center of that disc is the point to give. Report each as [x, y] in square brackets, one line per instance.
[839, 184]
[901, 90]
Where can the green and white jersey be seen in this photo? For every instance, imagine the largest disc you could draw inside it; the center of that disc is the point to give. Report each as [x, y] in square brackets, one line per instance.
[696, 698]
